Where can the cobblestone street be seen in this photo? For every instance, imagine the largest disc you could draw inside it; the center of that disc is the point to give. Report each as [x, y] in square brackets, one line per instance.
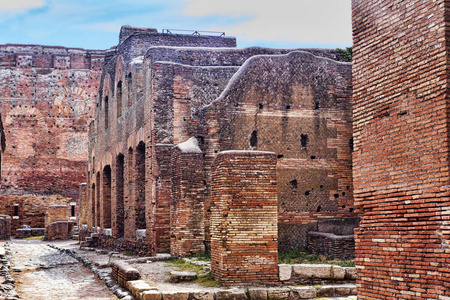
[41, 272]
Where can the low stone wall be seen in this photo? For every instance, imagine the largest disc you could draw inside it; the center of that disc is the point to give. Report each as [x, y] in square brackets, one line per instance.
[315, 274]
[27, 232]
[331, 245]
[121, 245]
[123, 272]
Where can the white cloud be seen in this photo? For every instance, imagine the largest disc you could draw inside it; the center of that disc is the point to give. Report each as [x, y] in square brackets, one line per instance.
[305, 21]
[19, 5]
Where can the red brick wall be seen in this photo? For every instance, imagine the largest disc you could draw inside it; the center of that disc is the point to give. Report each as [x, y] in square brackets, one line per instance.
[244, 217]
[47, 99]
[31, 209]
[56, 213]
[401, 148]
[160, 204]
[300, 96]
[187, 230]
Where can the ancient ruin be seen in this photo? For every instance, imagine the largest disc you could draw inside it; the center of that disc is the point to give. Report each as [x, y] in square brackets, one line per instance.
[47, 98]
[170, 104]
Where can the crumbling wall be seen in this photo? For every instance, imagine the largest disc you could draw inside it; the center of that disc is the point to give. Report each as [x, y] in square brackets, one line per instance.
[163, 95]
[46, 99]
[244, 217]
[5, 227]
[298, 106]
[30, 209]
[401, 148]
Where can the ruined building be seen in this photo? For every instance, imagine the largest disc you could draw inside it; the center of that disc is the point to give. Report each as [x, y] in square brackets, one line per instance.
[169, 110]
[47, 98]
[401, 148]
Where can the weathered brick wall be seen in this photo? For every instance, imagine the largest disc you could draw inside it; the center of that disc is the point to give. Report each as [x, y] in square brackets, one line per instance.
[298, 106]
[47, 99]
[29, 209]
[187, 231]
[151, 94]
[244, 217]
[56, 213]
[162, 185]
[5, 227]
[401, 148]
[59, 230]
[82, 211]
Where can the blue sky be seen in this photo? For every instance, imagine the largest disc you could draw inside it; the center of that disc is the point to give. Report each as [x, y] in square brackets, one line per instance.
[95, 24]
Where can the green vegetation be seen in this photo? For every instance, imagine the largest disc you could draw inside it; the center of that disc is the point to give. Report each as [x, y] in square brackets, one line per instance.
[203, 256]
[204, 279]
[346, 53]
[305, 257]
[38, 237]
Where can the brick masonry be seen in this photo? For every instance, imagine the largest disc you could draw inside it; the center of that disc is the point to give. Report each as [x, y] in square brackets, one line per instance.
[160, 90]
[30, 209]
[244, 208]
[401, 147]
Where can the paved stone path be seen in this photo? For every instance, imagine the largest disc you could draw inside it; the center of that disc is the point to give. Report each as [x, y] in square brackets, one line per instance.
[45, 273]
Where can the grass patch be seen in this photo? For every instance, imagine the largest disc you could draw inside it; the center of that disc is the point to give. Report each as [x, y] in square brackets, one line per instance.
[37, 237]
[306, 257]
[208, 280]
[185, 266]
[203, 279]
[203, 256]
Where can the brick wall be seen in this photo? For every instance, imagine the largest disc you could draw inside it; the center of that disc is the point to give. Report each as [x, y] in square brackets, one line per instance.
[56, 213]
[187, 231]
[401, 147]
[244, 217]
[5, 227]
[30, 209]
[47, 100]
[298, 106]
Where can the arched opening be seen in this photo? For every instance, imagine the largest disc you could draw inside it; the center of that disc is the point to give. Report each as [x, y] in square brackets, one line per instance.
[119, 99]
[106, 113]
[93, 204]
[106, 192]
[130, 89]
[119, 195]
[140, 186]
[254, 139]
[304, 140]
[97, 201]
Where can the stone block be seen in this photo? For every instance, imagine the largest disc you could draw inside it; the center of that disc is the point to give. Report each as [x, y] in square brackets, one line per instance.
[337, 272]
[350, 273]
[304, 292]
[313, 271]
[136, 287]
[151, 295]
[325, 291]
[177, 276]
[175, 295]
[201, 296]
[344, 290]
[231, 295]
[278, 293]
[257, 293]
[284, 272]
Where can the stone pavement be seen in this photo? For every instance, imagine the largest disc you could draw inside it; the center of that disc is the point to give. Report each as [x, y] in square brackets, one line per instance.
[56, 270]
[155, 280]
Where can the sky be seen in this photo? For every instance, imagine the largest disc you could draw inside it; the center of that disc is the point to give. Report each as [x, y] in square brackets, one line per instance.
[95, 24]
